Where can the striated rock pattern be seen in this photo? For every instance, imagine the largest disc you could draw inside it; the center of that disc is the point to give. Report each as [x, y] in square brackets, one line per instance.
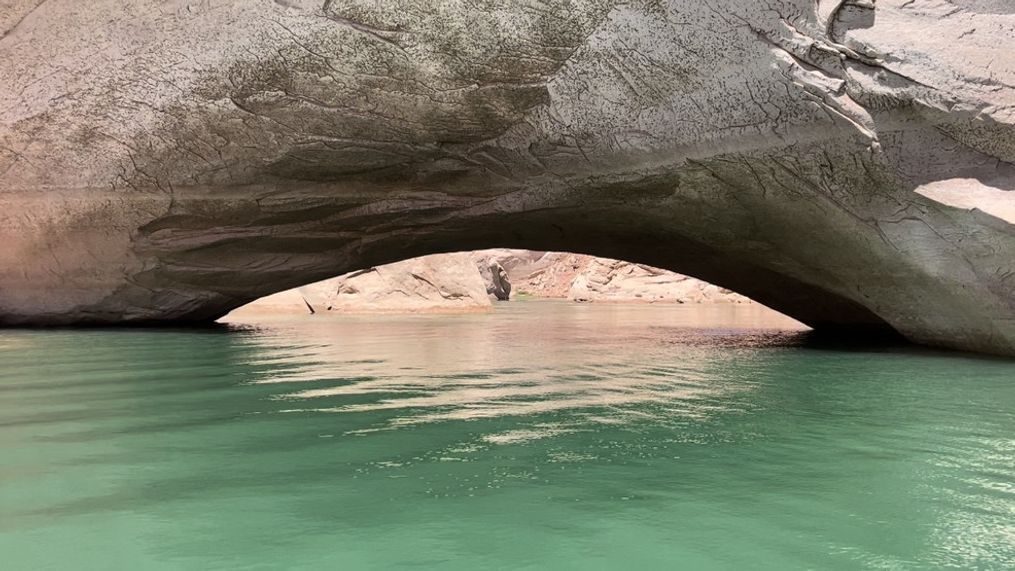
[613, 280]
[579, 277]
[443, 282]
[448, 283]
[168, 161]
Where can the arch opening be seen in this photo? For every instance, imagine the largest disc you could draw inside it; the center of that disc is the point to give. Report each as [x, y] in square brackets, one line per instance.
[274, 262]
[476, 281]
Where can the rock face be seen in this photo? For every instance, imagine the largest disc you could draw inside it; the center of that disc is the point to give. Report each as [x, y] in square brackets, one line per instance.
[579, 277]
[438, 283]
[613, 280]
[444, 282]
[541, 274]
[452, 283]
[498, 286]
[288, 302]
[428, 284]
[171, 160]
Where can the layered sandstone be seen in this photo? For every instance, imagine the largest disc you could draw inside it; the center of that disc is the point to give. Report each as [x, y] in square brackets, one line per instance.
[442, 283]
[579, 277]
[430, 284]
[168, 161]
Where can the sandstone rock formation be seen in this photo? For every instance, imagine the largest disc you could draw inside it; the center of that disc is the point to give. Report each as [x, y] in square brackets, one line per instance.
[579, 277]
[428, 284]
[498, 286]
[541, 274]
[289, 302]
[613, 280]
[448, 283]
[168, 161]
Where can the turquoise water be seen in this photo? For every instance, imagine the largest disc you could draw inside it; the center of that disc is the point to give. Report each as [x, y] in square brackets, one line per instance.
[542, 436]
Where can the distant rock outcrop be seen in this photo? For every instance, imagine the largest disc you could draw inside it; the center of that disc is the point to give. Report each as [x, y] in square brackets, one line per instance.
[587, 278]
[441, 282]
[429, 284]
[454, 282]
[612, 280]
[498, 286]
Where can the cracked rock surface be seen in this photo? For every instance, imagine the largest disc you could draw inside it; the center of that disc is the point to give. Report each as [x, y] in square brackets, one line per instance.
[168, 161]
[579, 277]
[439, 283]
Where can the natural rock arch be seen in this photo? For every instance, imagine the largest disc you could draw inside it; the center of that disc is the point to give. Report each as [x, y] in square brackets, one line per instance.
[170, 161]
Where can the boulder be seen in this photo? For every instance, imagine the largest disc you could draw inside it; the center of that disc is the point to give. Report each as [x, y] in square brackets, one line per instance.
[437, 283]
[499, 286]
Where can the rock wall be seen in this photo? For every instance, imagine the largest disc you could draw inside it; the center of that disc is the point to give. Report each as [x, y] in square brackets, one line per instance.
[581, 277]
[168, 161]
[440, 283]
[468, 282]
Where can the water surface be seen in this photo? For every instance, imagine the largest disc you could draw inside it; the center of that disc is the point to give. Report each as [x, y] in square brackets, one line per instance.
[542, 436]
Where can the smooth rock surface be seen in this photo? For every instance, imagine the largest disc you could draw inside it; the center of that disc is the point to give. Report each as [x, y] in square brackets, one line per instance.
[288, 302]
[170, 161]
[428, 284]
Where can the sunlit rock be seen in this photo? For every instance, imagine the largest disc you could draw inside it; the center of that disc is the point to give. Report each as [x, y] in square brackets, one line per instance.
[580, 277]
[498, 285]
[444, 282]
[173, 160]
[613, 280]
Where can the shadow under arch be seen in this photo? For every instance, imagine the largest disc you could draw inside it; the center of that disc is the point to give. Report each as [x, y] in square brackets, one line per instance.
[265, 251]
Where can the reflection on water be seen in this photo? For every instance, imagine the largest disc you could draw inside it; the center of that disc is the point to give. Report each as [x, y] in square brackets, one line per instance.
[532, 359]
[544, 435]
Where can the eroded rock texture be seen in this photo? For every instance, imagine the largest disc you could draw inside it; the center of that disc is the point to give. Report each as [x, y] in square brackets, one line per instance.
[440, 283]
[171, 160]
[579, 277]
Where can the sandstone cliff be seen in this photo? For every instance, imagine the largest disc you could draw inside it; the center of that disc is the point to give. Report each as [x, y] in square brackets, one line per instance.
[430, 284]
[470, 282]
[846, 162]
[581, 277]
